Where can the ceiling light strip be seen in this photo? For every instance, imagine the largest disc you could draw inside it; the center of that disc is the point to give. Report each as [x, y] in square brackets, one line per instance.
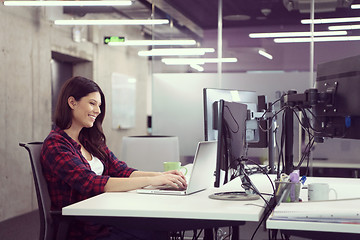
[331, 20]
[197, 67]
[67, 3]
[188, 61]
[175, 51]
[112, 22]
[153, 42]
[355, 6]
[265, 54]
[344, 27]
[296, 34]
[317, 39]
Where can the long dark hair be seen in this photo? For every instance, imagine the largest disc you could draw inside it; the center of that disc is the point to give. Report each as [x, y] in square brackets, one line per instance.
[93, 139]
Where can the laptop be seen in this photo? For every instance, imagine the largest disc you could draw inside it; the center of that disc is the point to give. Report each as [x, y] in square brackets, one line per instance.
[202, 174]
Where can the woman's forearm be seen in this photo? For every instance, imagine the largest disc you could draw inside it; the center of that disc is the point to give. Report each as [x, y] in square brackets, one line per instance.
[144, 174]
[139, 179]
[115, 184]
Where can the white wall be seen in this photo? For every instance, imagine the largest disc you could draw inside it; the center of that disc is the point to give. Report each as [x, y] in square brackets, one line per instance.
[25, 104]
[26, 41]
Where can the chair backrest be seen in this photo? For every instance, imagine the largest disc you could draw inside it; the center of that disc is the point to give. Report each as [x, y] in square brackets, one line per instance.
[42, 193]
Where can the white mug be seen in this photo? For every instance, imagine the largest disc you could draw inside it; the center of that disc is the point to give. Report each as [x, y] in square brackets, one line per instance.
[319, 192]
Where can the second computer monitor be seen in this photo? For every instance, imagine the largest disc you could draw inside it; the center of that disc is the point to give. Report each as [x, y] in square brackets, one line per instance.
[254, 136]
[231, 140]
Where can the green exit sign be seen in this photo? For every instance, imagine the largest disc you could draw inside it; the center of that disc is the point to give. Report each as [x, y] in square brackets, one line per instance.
[113, 39]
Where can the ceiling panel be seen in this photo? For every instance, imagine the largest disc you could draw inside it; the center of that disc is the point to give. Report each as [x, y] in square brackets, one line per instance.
[189, 18]
[204, 13]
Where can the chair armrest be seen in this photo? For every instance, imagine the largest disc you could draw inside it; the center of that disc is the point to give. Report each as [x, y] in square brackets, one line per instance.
[56, 212]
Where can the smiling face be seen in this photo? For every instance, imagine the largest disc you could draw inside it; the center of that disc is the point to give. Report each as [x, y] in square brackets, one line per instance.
[85, 111]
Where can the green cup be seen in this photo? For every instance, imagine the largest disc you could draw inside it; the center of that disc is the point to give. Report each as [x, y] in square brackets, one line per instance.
[168, 166]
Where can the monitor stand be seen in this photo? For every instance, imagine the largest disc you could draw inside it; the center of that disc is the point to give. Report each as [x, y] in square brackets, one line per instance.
[234, 196]
[247, 195]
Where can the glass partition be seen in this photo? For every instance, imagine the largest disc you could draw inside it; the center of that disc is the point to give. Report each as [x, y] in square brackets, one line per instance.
[295, 48]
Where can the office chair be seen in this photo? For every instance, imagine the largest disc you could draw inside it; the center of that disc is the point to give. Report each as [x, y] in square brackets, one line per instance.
[52, 224]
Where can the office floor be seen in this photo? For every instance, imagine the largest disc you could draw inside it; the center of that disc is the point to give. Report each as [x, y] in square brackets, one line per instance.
[26, 227]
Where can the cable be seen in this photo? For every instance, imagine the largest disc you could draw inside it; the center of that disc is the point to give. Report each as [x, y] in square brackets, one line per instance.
[196, 235]
[308, 159]
[277, 148]
[272, 104]
[232, 116]
[306, 128]
[308, 147]
[311, 127]
[275, 114]
[265, 216]
[262, 169]
[269, 205]
[260, 194]
[306, 125]
[282, 140]
[306, 152]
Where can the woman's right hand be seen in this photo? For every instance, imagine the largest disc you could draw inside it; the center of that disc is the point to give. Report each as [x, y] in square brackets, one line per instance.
[173, 179]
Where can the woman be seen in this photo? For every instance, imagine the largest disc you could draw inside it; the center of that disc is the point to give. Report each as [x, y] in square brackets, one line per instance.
[76, 161]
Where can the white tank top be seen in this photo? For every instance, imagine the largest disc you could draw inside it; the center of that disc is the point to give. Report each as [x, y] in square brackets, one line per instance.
[96, 165]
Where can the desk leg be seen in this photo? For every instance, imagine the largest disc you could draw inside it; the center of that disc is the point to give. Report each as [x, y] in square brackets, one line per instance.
[208, 234]
[235, 233]
[356, 173]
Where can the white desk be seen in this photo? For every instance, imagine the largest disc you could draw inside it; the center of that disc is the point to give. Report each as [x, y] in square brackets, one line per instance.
[195, 207]
[332, 164]
[345, 187]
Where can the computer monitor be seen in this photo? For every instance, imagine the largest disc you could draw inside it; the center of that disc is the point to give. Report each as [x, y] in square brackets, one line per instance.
[231, 151]
[231, 140]
[335, 101]
[254, 136]
[338, 107]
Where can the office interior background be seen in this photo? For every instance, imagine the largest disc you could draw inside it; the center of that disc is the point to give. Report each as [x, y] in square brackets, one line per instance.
[37, 55]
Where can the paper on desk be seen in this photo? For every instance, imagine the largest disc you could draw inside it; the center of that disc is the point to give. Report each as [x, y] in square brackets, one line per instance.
[344, 211]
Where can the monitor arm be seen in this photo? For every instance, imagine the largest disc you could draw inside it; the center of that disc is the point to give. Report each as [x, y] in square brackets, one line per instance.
[311, 97]
[308, 99]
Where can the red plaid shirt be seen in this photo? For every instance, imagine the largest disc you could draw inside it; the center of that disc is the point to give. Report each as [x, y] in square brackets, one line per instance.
[70, 178]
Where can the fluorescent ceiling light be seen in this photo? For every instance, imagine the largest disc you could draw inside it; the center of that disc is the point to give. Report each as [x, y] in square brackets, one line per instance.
[188, 61]
[296, 34]
[153, 42]
[67, 3]
[355, 6]
[197, 67]
[175, 51]
[112, 22]
[344, 27]
[317, 39]
[266, 71]
[331, 20]
[265, 54]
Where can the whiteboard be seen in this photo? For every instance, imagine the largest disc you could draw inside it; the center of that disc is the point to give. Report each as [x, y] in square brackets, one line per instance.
[123, 101]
